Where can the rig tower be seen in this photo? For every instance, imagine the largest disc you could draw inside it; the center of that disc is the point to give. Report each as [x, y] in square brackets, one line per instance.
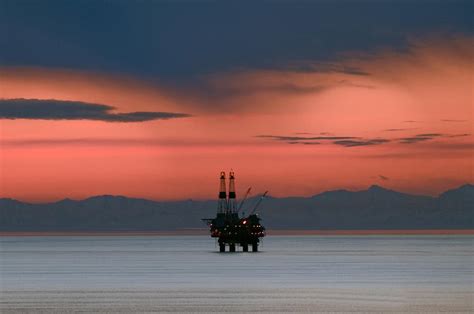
[231, 192]
[222, 203]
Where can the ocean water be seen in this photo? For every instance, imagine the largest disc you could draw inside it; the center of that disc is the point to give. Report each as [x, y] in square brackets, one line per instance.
[113, 274]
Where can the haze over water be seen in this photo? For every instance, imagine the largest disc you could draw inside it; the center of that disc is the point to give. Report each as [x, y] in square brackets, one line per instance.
[186, 274]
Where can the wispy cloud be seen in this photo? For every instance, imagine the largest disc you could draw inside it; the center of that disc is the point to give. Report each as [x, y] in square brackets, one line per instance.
[304, 143]
[352, 71]
[459, 135]
[453, 120]
[51, 109]
[346, 141]
[303, 138]
[351, 143]
[414, 139]
[354, 141]
[399, 129]
[420, 138]
[429, 135]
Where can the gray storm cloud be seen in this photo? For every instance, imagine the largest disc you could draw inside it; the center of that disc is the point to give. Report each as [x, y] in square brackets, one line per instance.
[51, 109]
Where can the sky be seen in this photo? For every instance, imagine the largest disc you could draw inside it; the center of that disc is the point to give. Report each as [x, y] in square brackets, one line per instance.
[153, 99]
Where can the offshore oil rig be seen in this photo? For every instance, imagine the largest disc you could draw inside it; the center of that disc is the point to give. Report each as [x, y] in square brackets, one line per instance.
[229, 227]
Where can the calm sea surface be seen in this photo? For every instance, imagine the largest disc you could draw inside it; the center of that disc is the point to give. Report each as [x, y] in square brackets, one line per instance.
[185, 274]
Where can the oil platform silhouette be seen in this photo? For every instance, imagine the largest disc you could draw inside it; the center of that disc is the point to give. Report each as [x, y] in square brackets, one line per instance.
[231, 229]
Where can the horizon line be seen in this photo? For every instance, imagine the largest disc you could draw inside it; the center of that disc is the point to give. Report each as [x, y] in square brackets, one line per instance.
[273, 232]
[207, 199]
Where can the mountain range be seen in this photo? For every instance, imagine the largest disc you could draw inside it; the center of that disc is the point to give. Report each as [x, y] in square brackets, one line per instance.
[374, 208]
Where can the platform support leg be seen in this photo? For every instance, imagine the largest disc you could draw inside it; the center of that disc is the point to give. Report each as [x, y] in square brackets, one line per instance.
[232, 247]
[221, 247]
[254, 247]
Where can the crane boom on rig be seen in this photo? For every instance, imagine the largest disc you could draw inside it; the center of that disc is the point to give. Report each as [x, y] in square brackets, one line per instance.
[258, 203]
[243, 200]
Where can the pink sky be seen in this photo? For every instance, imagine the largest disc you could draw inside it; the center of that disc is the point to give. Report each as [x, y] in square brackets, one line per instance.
[392, 96]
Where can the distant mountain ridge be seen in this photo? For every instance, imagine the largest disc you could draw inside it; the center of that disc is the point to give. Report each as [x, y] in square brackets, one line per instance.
[374, 208]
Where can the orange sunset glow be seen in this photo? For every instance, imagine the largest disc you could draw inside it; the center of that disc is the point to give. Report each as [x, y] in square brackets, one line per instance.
[401, 119]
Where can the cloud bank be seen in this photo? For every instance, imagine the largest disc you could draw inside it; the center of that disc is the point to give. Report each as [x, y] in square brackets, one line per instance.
[354, 141]
[51, 109]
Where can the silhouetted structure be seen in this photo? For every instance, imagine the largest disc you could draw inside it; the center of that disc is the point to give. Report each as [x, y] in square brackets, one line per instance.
[228, 227]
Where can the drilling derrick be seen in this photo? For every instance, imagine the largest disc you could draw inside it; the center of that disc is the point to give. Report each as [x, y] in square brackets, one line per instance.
[222, 203]
[231, 206]
[228, 227]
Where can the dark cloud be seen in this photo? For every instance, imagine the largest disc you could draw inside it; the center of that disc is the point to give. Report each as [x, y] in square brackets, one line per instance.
[204, 89]
[302, 138]
[287, 88]
[303, 143]
[346, 141]
[397, 130]
[216, 96]
[52, 109]
[326, 67]
[420, 138]
[429, 135]
[351, 143]
[459, 135]
[452, 120]
[411, 121]
[353, 71]
[349, 83]
[213, 94]
[383, 177]
[178, 40]
[415, 139]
